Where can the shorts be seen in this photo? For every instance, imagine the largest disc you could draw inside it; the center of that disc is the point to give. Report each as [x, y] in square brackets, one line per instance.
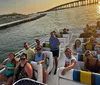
[10, 75]
[55, 53]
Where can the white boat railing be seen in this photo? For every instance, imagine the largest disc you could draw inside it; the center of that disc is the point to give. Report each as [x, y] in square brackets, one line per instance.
[26, 81]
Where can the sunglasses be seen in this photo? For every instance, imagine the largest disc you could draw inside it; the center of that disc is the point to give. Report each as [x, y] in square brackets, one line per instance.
[22, 58]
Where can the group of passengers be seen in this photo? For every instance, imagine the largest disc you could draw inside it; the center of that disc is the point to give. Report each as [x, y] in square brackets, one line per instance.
[18, 69]
[92, 61]
[65, 31]
[91, 31]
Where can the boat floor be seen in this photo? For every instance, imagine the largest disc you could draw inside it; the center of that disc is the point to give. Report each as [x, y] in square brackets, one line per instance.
[52, 79]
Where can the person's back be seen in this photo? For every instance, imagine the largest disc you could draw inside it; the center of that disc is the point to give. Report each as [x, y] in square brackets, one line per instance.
[85, 35]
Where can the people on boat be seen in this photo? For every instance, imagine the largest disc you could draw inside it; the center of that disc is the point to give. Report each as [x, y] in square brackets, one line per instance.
[98, 54]
[40, 58]
[65, 31]
[91, 43]
[92, 40]
[9, 65]
[29, 51]
[23, 69]
[54, 32]
[91, 64]
[54, 46]
[78, 47]
[70, 61]
[88, 32]
[38, 44]
[89, 29]
[85, 34]
[98, 25]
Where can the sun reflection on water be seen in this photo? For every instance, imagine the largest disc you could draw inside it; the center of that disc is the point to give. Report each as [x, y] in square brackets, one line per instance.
[98, 8]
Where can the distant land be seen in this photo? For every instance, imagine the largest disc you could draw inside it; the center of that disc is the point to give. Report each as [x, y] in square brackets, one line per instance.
[12, 17]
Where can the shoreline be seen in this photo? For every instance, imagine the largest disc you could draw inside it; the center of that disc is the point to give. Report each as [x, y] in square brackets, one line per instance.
[17, 22]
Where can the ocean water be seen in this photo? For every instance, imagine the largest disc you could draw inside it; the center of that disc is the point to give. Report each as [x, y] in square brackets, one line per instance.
[12, 38]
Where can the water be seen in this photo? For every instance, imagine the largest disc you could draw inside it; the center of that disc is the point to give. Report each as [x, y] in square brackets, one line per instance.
[12, 39]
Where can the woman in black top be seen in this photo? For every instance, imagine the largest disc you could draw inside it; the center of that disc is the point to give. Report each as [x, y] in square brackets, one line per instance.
[92, 64]
[23, 69]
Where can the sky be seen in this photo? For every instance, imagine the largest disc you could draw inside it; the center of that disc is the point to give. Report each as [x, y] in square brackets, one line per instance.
[28, 6]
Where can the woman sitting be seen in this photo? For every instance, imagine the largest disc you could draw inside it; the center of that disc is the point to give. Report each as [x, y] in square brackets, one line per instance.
[9, 65]
[78, 47]
[91, 64]
[98, 25]
[70, 61]
[40, 58]
[23, 69]
[92, 41]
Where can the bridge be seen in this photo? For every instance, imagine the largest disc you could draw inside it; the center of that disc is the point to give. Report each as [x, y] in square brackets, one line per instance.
[73, 4]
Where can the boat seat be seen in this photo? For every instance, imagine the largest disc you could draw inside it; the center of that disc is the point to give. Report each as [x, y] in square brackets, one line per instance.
[46, 46]
[38, 68]
[78, 77]
[49, 62]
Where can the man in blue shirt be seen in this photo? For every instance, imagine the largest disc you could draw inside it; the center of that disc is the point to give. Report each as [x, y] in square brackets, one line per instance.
[54, 45]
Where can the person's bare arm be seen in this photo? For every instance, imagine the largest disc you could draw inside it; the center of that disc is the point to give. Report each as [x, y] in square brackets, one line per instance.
[85, 66]
[14, 76]
[2, 65]
[69, 67]
[29, 70]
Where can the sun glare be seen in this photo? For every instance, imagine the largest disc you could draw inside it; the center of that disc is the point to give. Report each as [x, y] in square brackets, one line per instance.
[99, 1]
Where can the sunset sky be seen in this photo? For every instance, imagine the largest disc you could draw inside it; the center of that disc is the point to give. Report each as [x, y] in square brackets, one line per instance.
[28, 6]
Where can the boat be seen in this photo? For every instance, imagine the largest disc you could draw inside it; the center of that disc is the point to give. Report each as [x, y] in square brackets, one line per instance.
[71, 76]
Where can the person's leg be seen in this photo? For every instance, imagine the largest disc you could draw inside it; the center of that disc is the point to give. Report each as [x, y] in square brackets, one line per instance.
[56, 64]
[44, 75]
[9, 81]
[2, 78]
[56, 54]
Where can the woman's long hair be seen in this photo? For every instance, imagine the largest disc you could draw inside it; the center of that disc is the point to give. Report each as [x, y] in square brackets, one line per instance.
[13, 61]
